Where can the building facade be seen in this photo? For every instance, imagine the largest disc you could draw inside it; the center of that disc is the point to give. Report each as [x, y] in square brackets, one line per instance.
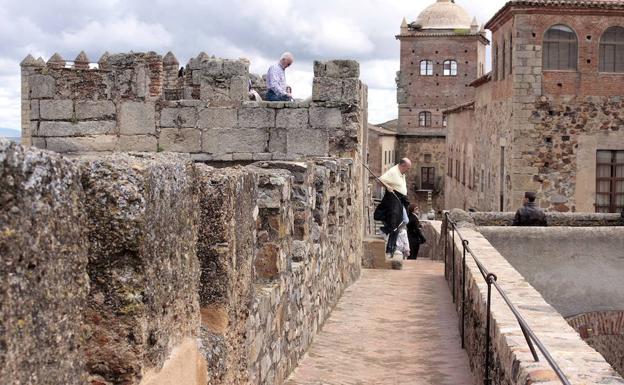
[441, 53]
[549, 117]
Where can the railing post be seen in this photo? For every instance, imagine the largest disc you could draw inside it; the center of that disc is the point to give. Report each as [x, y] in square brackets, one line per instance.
[463, 300]
[453, 261]
[489, 279]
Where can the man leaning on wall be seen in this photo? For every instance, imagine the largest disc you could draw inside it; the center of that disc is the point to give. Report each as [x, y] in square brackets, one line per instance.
[276, 80]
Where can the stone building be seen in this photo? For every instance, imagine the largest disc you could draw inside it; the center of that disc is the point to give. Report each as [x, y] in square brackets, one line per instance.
[381, 155]
[442, 51]
[548, 117]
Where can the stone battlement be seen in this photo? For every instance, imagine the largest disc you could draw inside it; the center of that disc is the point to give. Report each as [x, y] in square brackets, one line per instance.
[145, 102]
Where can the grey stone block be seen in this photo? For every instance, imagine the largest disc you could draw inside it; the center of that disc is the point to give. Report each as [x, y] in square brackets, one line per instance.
[292, 118]
[56, 109]
[178, 117]
[180, 140]
[239, 87]
[307, 142]
[224, 141]
[351, 90]
[142, 143]
[42, 86]
[326, 89]
[50, 129]
[95, 143]
[337, 69]
[262, 156]
[137, 118]
[217, 117]
[242, 156]
[34, 109]
[277, 141]
[256, 117]
[90, 109]
[322, 117]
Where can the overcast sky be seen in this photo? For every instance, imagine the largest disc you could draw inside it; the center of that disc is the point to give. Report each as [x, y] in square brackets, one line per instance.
[259, 30]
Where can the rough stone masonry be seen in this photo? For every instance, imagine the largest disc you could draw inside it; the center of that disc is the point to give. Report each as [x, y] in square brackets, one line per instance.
[148, 268]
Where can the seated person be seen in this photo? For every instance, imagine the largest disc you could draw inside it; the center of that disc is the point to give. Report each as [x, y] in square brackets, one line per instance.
[276, 80]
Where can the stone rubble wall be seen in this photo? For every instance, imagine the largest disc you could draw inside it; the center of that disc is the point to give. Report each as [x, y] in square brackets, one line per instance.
[137, 102]
[511, 360]
[112, 263]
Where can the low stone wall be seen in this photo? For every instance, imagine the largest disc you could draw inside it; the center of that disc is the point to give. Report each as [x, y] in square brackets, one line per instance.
[576, 269]
[511, 360]
[552, 218]
[151, 269]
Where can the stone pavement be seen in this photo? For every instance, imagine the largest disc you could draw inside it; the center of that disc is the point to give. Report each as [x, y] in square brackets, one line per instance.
[392, 328]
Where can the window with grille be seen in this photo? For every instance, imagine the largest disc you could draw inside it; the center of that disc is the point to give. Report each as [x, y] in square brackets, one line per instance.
[612, 50]
[560, 49]
[426, 67]
[427, 178]
[424, 119]
[609, 181]
[450, 68]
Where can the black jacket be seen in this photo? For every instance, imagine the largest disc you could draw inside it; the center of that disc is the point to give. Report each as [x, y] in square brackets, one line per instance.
[390, 210]
[530, 215]
[414, 231]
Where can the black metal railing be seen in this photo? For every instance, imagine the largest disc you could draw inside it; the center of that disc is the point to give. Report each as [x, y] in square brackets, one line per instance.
[492, 280]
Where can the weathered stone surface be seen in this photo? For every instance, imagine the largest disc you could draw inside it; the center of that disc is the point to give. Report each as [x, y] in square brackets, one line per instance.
[34, 109]
[292, 118]
[180, 140]
[307, 142]
[322, 117]
[141, 143]
[101, 109]
[43, 281]
[256, 117]
[178, 117]
[142, 225]
[56, 109]
[42, 86]
[214, 117]
[94, 143]
[327, 89]
[337, 69]
[277, 141]
[137, 118]
[100, 127]
[223, 141]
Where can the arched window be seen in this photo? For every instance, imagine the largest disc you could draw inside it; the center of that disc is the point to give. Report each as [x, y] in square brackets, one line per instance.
[424, 119]
[560, 51]
[503, 69]
[450, 68]
[612, 50]
[426, 67]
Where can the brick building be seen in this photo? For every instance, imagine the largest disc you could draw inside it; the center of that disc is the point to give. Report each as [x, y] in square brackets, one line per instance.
[441, 53]
[548, 118]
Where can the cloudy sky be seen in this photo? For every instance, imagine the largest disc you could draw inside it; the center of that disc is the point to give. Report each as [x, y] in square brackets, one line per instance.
[259, 30]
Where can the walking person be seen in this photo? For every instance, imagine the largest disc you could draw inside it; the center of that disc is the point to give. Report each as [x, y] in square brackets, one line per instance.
[392, 210]
[414, 232]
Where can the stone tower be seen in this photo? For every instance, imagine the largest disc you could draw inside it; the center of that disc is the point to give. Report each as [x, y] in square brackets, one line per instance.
[442, 52]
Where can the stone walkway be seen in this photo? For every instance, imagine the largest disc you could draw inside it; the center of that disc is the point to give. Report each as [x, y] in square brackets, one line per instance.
[391, 328]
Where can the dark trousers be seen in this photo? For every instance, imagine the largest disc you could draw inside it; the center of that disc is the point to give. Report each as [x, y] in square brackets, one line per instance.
[414, 246]
[392, 240]
[271, 96]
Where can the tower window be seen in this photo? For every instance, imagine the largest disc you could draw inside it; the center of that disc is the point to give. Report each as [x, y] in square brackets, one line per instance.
[612, 50]
[450, 68]
[426, 67]
[560, 50]
[424, 119]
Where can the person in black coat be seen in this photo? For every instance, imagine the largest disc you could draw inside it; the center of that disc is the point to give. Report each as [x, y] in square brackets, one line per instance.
[414, 232]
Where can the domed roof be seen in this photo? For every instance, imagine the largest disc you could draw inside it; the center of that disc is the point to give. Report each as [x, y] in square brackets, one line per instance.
[444, 14]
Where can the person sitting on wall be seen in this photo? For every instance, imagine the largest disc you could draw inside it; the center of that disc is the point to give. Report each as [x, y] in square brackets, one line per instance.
[392, 210]
[529, 214]
[253, 94]
[276, 79]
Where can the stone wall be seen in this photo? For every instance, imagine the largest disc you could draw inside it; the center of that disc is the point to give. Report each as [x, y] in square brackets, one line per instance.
[512, 362]
[150, 268]
[552, 218]
[137, 102]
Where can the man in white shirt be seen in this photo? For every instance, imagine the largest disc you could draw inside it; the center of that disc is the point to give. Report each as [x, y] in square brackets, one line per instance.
[276, 80]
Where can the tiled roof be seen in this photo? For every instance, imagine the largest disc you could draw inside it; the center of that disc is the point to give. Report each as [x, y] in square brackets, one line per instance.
[597, 4]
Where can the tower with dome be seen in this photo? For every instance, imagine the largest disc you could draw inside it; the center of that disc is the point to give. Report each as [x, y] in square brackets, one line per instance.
[442, 52]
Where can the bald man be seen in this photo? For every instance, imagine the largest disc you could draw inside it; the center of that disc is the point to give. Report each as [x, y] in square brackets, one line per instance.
[394, 178]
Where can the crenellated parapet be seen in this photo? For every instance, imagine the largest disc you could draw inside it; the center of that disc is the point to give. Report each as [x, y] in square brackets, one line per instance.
[147, 102]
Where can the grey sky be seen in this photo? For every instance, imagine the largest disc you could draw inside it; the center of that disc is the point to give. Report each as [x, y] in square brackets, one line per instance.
[259, 30]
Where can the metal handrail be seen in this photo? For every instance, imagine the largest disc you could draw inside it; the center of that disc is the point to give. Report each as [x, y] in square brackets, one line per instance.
[492, 280]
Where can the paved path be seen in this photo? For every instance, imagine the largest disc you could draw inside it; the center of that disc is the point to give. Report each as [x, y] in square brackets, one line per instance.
[392, 328]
